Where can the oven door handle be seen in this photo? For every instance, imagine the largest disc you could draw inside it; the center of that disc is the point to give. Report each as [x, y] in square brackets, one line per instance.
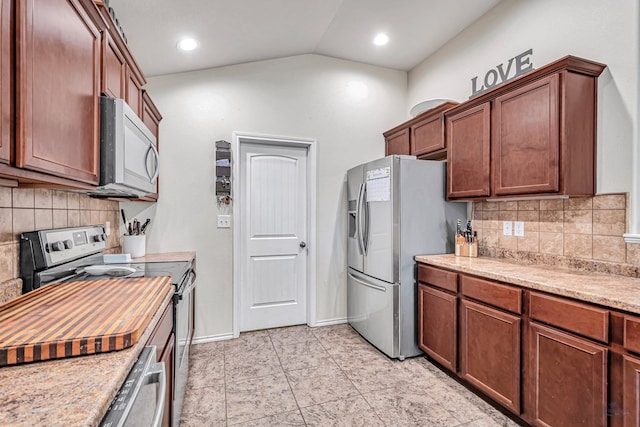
[157, 374]
[187, 290]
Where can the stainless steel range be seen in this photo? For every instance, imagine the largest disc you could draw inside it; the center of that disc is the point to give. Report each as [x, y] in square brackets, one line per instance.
[74, 253]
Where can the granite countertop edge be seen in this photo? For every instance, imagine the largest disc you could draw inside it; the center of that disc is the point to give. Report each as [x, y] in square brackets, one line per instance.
[65, 392]
[167, 257]
[609, 290]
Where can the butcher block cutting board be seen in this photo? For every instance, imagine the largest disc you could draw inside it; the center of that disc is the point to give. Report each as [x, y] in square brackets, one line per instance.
[78, 318]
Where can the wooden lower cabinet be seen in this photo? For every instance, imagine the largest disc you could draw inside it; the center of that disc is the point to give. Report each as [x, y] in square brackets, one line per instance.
[438, 325]
[490, 352]
[568, 379]
[631, 391]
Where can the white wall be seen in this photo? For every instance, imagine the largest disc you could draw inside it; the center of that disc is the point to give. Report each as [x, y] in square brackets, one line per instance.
[307, 96]
[599, 30]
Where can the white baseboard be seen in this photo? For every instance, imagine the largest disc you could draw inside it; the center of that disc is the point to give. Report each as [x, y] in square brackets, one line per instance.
[211, 338]
[328, 322]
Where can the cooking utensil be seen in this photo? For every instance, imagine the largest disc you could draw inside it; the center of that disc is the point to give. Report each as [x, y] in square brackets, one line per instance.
[145, 225]
[124, 218]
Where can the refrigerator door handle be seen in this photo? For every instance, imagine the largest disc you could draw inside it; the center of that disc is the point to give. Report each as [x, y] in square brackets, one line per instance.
[359, 233]
[367, 284]
[365, 213]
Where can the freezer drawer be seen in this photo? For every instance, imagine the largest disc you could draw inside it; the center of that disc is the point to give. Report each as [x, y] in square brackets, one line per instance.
[372, 310]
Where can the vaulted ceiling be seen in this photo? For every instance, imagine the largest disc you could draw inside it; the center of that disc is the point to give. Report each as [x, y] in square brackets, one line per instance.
[238, 31]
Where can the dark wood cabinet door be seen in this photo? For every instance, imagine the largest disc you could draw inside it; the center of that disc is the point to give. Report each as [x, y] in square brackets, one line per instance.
[6, 81]
[438, 325]
[398, 143]
[57, 92]
[468, 155]
[526, 139]
[490, 352]
[568, 379]
[133, 95]
[631, 391]
[427, 136]
[114, 68]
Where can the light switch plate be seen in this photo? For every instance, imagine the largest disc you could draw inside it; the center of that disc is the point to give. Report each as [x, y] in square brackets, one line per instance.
[518, 229]
[224, 221]
[507, 228]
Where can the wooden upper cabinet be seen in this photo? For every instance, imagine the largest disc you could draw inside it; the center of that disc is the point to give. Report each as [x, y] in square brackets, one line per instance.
[468, 156]
[6, 81]
[422, 136]
[526, 140]
[114, 67]
[427, 136]
[58, 86]
[542, 135]
[133, 96]
[397, 142]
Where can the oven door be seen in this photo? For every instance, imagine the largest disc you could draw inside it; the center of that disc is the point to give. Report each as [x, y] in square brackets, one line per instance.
[184, 332]
[140, 400]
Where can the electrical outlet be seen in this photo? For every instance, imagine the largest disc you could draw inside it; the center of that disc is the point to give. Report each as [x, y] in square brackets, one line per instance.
[518, 229]
[107, 228]
[507, 228]
[224, 221]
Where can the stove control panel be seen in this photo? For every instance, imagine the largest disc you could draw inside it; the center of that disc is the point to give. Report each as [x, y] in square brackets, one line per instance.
[65, 244]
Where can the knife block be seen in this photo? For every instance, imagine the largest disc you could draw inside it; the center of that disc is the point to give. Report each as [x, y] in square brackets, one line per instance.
[466, 249]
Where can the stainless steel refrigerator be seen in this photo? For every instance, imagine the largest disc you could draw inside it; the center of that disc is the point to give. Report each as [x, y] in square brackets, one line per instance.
[396, 210]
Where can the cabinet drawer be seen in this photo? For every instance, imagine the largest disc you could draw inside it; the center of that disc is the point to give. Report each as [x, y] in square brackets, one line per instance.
[632, 334]
[495, 294]
[582, 319]
[439, 278]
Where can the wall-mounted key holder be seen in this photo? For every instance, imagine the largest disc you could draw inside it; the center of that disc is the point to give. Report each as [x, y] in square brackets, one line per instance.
[223, 172]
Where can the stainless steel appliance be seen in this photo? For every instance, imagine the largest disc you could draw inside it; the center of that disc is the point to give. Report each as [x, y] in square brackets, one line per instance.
[139, 402]
[66, 254]
[396, 210]
[129, 160]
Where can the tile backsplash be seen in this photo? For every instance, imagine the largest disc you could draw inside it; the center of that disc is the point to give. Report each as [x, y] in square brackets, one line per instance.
[588, 228]
[28, 209]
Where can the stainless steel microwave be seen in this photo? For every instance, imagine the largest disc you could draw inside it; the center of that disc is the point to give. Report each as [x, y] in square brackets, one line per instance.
[129, 160]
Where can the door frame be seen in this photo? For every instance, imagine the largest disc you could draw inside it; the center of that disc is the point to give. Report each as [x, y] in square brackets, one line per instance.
[240, 138]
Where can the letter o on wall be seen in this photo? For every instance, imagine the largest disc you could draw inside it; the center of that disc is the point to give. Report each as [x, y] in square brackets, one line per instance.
[491, 75]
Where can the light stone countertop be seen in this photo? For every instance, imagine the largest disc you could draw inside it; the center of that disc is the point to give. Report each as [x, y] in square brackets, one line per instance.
[76, 391]
[608, 290]
[166, 257]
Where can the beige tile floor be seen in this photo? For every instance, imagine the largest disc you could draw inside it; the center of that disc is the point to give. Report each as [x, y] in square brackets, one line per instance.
[326, 376]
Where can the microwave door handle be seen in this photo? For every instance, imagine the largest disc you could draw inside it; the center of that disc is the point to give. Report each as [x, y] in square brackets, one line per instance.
[155, 173]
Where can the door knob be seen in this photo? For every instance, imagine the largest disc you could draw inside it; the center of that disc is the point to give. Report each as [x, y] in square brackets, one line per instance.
[303, 244]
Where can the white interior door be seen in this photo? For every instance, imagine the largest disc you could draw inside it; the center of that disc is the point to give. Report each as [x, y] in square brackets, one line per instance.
[273, 254]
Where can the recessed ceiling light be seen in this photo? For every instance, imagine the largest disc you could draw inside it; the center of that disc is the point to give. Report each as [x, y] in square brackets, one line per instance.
[187, 44]
[381, 39]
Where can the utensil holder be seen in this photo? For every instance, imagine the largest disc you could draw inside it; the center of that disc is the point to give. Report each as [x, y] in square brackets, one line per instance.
[467, 249]
[134, 245]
